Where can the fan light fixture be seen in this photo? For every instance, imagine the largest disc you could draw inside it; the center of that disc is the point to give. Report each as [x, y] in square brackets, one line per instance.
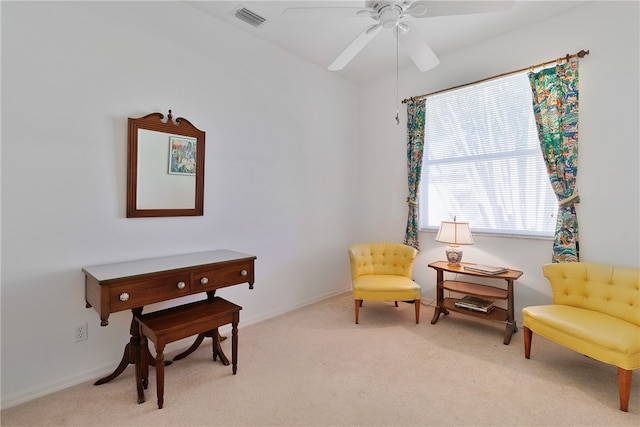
[389, 18]
[455, 234]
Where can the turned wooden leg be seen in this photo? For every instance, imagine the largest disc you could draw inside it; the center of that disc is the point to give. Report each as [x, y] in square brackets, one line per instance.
[357, 305]
[527, 341]
[160, 374]
[624, 387]
[417, 304]
[234, 345]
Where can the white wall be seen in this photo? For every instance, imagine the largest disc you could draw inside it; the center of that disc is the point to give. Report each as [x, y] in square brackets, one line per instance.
[279, 135]
[282, 138]
[608, 175]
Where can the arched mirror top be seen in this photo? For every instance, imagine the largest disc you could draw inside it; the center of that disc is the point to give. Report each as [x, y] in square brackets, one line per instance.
[165, 167]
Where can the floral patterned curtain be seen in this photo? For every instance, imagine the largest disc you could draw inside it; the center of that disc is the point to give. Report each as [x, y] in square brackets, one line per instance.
[415, 146]
[555, 107]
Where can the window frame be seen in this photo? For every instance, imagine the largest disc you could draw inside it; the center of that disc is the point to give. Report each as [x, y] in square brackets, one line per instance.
[524, 151]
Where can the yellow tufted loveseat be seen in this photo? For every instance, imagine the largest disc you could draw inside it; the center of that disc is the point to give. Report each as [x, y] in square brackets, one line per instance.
[596, 312]
[381, 271]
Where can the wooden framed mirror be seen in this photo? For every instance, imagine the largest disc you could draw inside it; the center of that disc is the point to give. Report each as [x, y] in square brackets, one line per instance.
[165, 167]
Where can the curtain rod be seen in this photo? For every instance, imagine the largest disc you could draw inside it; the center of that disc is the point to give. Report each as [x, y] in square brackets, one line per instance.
[566, 58]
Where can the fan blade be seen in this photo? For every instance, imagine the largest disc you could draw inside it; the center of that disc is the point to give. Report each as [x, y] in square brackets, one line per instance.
[417, 9]
[355, 47]
[417, 48]
[444, 8]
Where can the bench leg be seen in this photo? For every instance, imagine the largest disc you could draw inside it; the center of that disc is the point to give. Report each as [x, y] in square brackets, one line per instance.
[527, 341]
[234, 343]
[160, 374]
[624, 387]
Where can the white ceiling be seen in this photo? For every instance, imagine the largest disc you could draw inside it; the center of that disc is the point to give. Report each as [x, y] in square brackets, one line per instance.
[320, 37]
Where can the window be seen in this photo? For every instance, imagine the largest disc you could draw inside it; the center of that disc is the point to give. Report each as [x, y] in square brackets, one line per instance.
[482, 161]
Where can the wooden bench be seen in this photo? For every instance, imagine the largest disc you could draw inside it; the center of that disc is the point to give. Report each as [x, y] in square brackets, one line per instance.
[173, 324]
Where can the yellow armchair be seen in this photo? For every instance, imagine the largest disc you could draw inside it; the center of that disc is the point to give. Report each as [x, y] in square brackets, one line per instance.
[596, 312]
[381, 271]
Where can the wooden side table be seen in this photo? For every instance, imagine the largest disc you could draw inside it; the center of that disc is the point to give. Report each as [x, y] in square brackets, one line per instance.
[498, 314]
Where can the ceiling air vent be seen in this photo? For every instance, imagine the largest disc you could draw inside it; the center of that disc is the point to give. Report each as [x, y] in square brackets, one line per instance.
[249, 17]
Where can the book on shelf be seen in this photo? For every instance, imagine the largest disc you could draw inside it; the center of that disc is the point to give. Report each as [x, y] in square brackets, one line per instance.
[486, 269]
[475, 303]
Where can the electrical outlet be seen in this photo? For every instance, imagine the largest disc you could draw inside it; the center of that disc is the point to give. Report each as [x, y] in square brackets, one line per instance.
[80, 332]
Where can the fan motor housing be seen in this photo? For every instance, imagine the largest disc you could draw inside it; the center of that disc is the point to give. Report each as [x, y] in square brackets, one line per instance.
[379, 5]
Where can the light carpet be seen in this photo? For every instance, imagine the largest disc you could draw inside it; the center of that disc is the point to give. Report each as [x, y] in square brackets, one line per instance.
[315, 367]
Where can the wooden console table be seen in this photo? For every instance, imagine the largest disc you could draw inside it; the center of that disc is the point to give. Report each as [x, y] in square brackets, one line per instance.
[131, 285]
[498, 314]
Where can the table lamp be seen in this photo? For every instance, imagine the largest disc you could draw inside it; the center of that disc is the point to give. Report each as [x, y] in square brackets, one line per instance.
[455, 234]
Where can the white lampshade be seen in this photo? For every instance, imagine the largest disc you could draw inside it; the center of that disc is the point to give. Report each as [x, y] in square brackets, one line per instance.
[455, 234]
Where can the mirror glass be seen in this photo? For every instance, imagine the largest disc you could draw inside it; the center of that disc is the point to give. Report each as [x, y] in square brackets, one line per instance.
[165, 167]
[166, 171]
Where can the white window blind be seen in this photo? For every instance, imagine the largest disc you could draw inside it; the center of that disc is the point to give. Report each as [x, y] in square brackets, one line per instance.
[482, 161]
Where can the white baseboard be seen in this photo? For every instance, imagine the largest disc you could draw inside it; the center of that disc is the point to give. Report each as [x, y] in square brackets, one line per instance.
[52, 387]
[275, 313]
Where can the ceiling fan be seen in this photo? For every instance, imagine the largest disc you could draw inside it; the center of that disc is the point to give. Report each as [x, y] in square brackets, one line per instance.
[396, 16]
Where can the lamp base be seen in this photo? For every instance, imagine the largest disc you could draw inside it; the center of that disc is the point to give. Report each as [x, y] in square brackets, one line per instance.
[454, 255]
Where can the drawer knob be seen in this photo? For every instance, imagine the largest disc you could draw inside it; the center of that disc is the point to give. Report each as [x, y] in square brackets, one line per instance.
[204, 281]
[244, 273]
[181, 285]
[124, 296]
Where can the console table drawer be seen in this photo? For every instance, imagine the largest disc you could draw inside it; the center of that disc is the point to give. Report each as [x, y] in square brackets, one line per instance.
[133, 284]
[148, 290]
[215, 277]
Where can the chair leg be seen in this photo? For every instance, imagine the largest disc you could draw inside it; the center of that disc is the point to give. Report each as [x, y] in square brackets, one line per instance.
[357, 305]
[417, 305]
[396, 303]
[624, 387]
[527, 341]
